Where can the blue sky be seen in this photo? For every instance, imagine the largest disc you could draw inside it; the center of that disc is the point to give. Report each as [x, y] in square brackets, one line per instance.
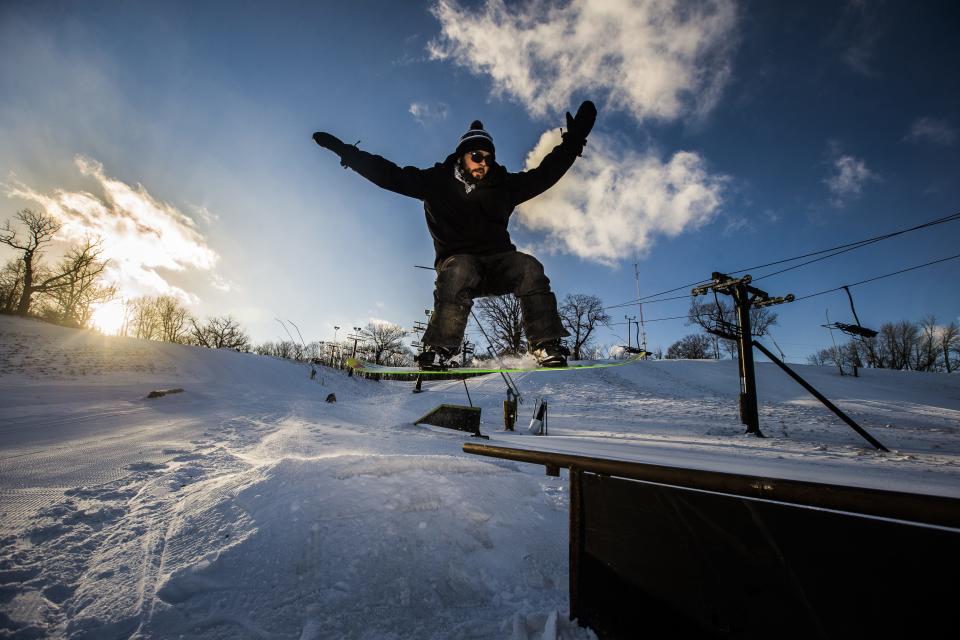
[729, 135]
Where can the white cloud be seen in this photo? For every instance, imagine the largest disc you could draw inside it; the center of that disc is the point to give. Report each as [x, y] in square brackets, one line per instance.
[141, 235]
[615, 201]
[423, 112]
[381, 322]
[222, 284]
[849, 177]
[931, 130]
[654, 59]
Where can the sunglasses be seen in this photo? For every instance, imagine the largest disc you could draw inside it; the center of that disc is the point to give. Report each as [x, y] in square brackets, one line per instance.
[480, 157]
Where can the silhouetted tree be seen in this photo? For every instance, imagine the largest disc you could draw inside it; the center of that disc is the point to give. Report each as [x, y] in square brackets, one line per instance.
[80, 286]
[580, 314]
[40, 230]
[11, 285]
[221, 332]
[173, 319]
[709, 314]
[695, 346]
[503, 322]
[383, 340]
[949, 339]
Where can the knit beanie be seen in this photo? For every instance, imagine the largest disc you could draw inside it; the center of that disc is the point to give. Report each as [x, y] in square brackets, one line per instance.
[476, 139]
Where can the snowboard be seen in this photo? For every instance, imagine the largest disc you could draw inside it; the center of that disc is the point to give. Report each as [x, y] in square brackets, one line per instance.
[366, 367]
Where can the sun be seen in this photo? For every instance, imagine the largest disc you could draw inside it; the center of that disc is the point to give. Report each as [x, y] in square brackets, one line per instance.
[108, 318]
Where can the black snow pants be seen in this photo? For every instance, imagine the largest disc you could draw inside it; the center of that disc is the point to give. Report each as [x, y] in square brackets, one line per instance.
[463, 277]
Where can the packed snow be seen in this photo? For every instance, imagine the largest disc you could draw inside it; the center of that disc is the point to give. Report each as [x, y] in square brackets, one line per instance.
[248, 507]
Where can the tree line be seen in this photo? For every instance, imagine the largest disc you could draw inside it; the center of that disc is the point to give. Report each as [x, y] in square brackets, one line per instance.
[67, 292]
[719, 314]
[917, 346]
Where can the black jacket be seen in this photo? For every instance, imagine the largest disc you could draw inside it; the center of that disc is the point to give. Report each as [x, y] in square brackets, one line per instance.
[460, 222]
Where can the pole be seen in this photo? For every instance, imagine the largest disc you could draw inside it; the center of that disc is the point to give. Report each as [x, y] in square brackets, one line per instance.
[640, 325]
[748, 383]
[819, 396]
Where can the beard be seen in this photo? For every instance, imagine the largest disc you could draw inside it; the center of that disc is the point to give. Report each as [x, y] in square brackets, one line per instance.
[469, 176]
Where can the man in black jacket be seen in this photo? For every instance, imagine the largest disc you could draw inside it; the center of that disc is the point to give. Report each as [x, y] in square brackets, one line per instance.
[468, 199]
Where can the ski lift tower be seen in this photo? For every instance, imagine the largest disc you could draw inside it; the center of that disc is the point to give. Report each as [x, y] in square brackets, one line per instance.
[641, 324]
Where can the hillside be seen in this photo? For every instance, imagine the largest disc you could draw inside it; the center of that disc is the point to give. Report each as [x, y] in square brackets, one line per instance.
[246, 506]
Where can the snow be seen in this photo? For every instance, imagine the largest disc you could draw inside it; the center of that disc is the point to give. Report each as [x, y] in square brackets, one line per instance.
[247, 506]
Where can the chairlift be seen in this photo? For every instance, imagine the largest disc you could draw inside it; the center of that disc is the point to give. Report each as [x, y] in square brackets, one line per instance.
[856, 330]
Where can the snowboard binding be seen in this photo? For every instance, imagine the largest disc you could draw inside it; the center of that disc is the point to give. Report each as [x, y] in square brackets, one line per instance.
[436, 359]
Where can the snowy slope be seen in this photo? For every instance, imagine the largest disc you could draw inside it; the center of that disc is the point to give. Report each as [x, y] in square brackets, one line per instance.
[248, 507]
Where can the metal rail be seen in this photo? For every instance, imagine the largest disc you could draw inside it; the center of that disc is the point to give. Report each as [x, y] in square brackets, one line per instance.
[919, 508]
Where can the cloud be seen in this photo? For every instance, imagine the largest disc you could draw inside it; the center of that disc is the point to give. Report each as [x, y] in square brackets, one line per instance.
[141, 235]
[222, 284]
[380, 322]
[615, 202]
[850, 174]
[931, 130]
[654, 59]
[424, 113]
[858, 30]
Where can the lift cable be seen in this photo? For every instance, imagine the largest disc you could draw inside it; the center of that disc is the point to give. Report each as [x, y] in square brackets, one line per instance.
[833, 251]
[886, 275]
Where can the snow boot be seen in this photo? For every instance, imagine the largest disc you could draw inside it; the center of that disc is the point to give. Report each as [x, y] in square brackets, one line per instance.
[435, 358]
[550, 353]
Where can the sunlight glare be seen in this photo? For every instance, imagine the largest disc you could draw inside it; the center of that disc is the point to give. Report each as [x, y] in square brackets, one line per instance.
[108, 318]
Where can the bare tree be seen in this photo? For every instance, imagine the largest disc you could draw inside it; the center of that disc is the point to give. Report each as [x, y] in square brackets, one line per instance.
[11, 285]
[41, 228]
[949, 339]
[282, 349]
[820, 358]
[172, 319]
[592, 351]
[383, 340]
[926, 349]
[220, 332]
[695, 346]
[709, 314]
[580, 314]
[141, 319]
[503, 320]
[896, 341]
[79, 286]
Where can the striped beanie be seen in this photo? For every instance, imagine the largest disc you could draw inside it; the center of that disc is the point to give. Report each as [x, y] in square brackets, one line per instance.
[476, 139]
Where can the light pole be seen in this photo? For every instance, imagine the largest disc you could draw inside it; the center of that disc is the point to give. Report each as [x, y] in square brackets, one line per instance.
[335, 343]
[630, 320]
[356, 336]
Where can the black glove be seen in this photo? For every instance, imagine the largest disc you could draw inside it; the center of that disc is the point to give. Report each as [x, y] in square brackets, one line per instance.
[331, 142]
[579, 126]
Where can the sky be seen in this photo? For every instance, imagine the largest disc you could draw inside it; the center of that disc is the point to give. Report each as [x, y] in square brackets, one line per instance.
[730, 134]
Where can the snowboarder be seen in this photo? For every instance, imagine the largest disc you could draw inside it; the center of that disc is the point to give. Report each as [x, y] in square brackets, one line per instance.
[468, 199]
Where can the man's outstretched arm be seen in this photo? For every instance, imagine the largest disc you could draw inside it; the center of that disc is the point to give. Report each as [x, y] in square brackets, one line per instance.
[407, 181]
[529, 184]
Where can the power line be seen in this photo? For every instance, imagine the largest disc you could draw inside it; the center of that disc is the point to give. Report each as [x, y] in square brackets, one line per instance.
[887, 275]
[627, 304]
[832, 251]
[843, 248]
[811, 295]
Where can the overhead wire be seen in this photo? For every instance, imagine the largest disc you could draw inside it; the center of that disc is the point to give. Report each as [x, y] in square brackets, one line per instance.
[832, 251]
[886, 275]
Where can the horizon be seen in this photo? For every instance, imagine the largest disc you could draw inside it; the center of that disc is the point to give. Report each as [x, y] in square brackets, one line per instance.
[737, 133]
